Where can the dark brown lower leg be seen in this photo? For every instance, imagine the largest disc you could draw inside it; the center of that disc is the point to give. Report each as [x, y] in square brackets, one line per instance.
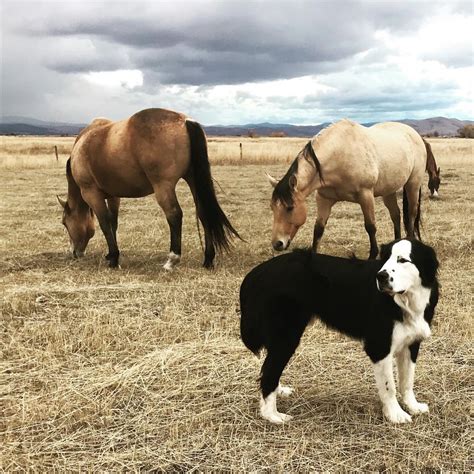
[324, 206]
[367, 204]
[209, 249]
[391, 204]
[113, 204]
[166, 197]
[97, 203]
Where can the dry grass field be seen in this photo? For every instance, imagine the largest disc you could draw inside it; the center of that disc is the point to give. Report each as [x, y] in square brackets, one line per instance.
[138, 369]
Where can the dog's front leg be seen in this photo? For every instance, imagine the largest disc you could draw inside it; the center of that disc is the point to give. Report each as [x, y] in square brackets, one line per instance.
[386, 386]
[406, 362]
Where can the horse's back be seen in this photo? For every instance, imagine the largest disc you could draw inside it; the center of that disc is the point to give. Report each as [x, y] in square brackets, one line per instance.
[347, 160]
[128, 157]
[401, 154]
[382, 158]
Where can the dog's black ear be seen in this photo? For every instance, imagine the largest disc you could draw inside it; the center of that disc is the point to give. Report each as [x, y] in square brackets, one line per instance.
[385, 251]
[427, 263]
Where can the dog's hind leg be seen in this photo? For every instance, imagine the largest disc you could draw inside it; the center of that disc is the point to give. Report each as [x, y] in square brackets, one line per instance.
[271, 372]
[284, 391]
[283, 340]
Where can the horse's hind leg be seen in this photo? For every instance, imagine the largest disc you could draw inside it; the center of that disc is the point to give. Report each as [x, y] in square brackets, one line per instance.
[166, 197]
[97, 203]
[324, 206]
[367, 204]
[411, 215]
[209, 249]
[391, 204]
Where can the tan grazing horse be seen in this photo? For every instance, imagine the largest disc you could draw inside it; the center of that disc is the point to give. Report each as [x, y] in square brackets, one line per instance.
[350, 162]
[147, 153]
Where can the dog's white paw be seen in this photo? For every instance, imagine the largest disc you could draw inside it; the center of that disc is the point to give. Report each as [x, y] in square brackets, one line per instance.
[395, 414]
[268, 410]
[284, 391]
[277, 417]
[417, 408]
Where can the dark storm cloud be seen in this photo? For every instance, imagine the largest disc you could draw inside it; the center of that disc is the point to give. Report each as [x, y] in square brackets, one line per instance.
[48, 49]
[228, 42]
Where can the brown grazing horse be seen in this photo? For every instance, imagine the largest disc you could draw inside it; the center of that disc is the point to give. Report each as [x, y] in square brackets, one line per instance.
[433, 172]
[350, 162]
[144, 154]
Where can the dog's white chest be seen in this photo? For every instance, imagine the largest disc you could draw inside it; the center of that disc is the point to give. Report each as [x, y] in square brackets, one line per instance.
[414, 326]
[407, 332]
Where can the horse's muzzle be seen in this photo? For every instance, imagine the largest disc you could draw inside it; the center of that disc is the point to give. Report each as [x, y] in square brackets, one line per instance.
[280, 245]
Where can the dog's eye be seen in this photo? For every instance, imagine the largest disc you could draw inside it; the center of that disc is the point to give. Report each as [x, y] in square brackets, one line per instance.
[402, 260]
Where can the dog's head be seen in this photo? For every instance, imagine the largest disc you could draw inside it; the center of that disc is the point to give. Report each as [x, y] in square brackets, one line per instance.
[407, 264]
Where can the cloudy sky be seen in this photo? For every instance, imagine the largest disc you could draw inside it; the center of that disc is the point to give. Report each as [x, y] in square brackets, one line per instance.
[236, 62]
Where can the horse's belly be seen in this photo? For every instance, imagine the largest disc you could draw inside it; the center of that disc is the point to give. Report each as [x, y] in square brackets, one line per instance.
[338, 194]
[133, 185]
[391, 180]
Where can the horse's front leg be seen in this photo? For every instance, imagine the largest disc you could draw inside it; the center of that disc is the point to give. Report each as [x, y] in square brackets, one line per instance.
[113, 204]
[324, 207]
[166, 197]
[367, 204]
[96, 201]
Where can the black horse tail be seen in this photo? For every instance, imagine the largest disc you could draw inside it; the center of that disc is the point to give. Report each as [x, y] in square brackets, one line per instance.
[406, 214]
[213, 219]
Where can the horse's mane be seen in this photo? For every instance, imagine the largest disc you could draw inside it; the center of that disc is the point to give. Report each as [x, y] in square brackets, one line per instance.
[283, 190]
[73, 189]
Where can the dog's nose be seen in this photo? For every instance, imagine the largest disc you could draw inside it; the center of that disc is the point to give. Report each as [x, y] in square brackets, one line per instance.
[278, 245]
[382, 276]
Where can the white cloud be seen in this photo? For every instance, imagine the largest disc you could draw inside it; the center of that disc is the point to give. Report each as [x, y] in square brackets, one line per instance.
[121, 78]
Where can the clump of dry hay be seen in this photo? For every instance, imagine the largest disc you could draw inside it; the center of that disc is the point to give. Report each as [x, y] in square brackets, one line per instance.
[141, 370]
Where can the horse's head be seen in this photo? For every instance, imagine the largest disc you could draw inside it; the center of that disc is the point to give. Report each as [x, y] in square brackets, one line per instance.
[434, 182]
[80, 225]
[289, 210]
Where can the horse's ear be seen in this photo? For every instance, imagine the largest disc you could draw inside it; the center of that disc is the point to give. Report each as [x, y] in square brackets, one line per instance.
[61, 201]
[273, 181]
[293, 181]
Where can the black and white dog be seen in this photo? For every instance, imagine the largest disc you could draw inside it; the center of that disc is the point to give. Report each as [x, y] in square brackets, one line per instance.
[387, 303]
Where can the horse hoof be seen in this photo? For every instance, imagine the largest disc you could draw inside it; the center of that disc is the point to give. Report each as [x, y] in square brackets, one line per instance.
[208, 265]
[173, 260]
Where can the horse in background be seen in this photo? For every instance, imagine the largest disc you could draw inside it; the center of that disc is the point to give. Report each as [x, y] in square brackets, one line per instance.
[144, 154]
[433, 170]
[350, 162]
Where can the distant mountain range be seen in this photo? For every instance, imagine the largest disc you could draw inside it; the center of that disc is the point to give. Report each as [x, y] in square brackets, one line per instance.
[17, 125]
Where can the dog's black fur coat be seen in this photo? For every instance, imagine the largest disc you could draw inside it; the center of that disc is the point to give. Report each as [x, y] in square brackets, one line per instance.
[279, 297]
